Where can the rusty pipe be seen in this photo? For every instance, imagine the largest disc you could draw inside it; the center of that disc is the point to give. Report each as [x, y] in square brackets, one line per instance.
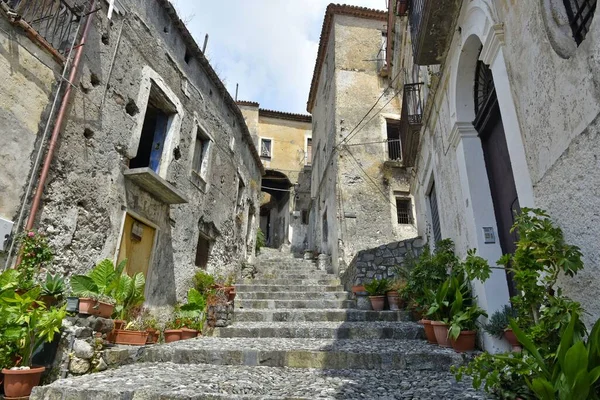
[59, 121]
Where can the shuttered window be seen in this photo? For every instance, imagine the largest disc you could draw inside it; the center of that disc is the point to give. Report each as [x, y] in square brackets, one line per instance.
[435, 216]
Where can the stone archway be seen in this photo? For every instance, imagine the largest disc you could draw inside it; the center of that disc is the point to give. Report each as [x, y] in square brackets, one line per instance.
[274, 208]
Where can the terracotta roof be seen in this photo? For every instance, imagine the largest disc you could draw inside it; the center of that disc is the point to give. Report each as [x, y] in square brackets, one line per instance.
[247, 103]
[198, 55]
[284, 115]
[339, 9]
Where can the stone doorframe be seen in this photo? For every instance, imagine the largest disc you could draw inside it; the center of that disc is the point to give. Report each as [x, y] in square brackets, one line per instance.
[479, 27]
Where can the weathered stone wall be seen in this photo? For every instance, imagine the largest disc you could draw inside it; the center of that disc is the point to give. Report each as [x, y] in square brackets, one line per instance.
[361, 186]
[555, 100]
[87, 195]
[29, 79]
[380, 262]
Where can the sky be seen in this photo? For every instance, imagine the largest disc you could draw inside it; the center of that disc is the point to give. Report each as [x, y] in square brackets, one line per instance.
[268, 47]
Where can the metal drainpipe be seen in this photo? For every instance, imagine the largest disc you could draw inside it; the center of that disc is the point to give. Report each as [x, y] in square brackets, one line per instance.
[59, 121]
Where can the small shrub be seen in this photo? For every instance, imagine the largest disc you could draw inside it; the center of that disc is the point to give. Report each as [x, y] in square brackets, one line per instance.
[203, 281]
[260, 240]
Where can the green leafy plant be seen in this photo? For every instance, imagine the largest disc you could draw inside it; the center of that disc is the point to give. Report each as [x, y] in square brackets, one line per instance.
[499, 321]
[128, 293]
[260, 240]
[35, 253]
[27, 324]
[465, 320]
[100, 281]
[54, 285]
[377, 287]
[203, 281]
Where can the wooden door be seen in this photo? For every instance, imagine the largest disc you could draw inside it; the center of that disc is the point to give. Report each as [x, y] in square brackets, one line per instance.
[137, 244]
[500, 175]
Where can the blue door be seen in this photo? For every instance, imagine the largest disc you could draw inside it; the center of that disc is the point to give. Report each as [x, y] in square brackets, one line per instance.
[158, 143]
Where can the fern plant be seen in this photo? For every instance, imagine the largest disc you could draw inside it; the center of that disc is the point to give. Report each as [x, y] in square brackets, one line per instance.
[128, 293]
[377, 287]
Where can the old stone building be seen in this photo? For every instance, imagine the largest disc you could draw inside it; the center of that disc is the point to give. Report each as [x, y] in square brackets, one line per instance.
[509, 121]
[360, 184]
[285, 144]
[153, 161]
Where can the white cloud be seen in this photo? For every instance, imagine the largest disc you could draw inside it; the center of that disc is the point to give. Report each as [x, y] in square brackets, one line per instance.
[269, 47]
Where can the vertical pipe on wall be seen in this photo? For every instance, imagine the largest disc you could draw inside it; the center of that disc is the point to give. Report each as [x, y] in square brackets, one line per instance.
[59, 120]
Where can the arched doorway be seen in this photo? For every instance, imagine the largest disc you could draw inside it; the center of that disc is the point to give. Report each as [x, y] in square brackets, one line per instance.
[489, 126]
[274, 208]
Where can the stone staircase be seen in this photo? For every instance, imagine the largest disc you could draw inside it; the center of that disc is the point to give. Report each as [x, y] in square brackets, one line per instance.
[296, 336]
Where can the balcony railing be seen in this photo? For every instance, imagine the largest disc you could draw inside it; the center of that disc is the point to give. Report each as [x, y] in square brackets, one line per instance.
[411, 121]
[431, 27]
[55, 20]
[394, 150]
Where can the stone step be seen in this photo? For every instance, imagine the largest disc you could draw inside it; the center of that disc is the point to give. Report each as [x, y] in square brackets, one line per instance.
[307, 353]
[287, 276]
[252, 287]
[319, 315]
[161, 381]
[324, 330]
[277, 304]
[286, 264]
[310, 282]
[292, 295]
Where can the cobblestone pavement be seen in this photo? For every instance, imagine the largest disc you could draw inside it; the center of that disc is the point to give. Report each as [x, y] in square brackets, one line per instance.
[155, 381]
[286, 351]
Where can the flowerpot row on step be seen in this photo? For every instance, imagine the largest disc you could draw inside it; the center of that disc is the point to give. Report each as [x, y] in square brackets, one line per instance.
[436, 332]
[173, 335]
[378, 302]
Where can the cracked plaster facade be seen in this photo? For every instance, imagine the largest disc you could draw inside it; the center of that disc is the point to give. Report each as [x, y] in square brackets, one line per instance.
[87, 196]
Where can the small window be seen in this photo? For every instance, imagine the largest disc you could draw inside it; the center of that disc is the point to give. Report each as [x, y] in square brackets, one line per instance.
[580, 13]
[188, 56]
[265, 148]
[308, 160]
[325, 227]
[304, 215]
[404, 211]
[435, 216]
[154, 132]
[202, 251]
[201, 153]
[393, 140]
[240, 194]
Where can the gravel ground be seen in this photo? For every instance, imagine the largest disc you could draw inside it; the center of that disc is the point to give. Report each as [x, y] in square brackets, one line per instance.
[173, 381]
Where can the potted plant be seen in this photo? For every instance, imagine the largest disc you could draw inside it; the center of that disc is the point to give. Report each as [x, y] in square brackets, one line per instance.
[362, 297]
[498, 325]
[172, 330]
[463, 328]
[376, 290]
[96, 289]
[192, 314]
[25, 328]
[150, 324]
[203, 282]
[134, 334]
[52, 289]
[393, 294]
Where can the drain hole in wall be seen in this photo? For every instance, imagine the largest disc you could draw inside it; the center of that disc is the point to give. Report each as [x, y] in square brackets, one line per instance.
[88, 133]
[176, 153]
[105, 38]
[94, 80]
[131, 108]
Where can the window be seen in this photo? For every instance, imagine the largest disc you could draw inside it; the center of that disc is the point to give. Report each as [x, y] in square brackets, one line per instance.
[325, 227]
[154, 131]
[201, 153]
[240, 194]
[393, 140]
[404, 210]
[202, 251]
[308, 160]
[435, 217]
[580, 14]
[265, 148]
[304, 215]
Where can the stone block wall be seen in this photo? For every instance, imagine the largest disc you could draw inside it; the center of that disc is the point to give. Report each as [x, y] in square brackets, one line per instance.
[379, 262]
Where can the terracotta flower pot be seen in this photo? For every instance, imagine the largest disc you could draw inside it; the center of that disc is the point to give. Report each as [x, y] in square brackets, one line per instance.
[172, 335]
[512, 339]
[19, 383]
[358, 289]
[153, 335]
[231, 294]
[377, 302]
[392, 297]
[464, 342]
[187, 333]
[429, 334]
[118, 323]
[441, 333]
[93, 307]
[132, 338]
